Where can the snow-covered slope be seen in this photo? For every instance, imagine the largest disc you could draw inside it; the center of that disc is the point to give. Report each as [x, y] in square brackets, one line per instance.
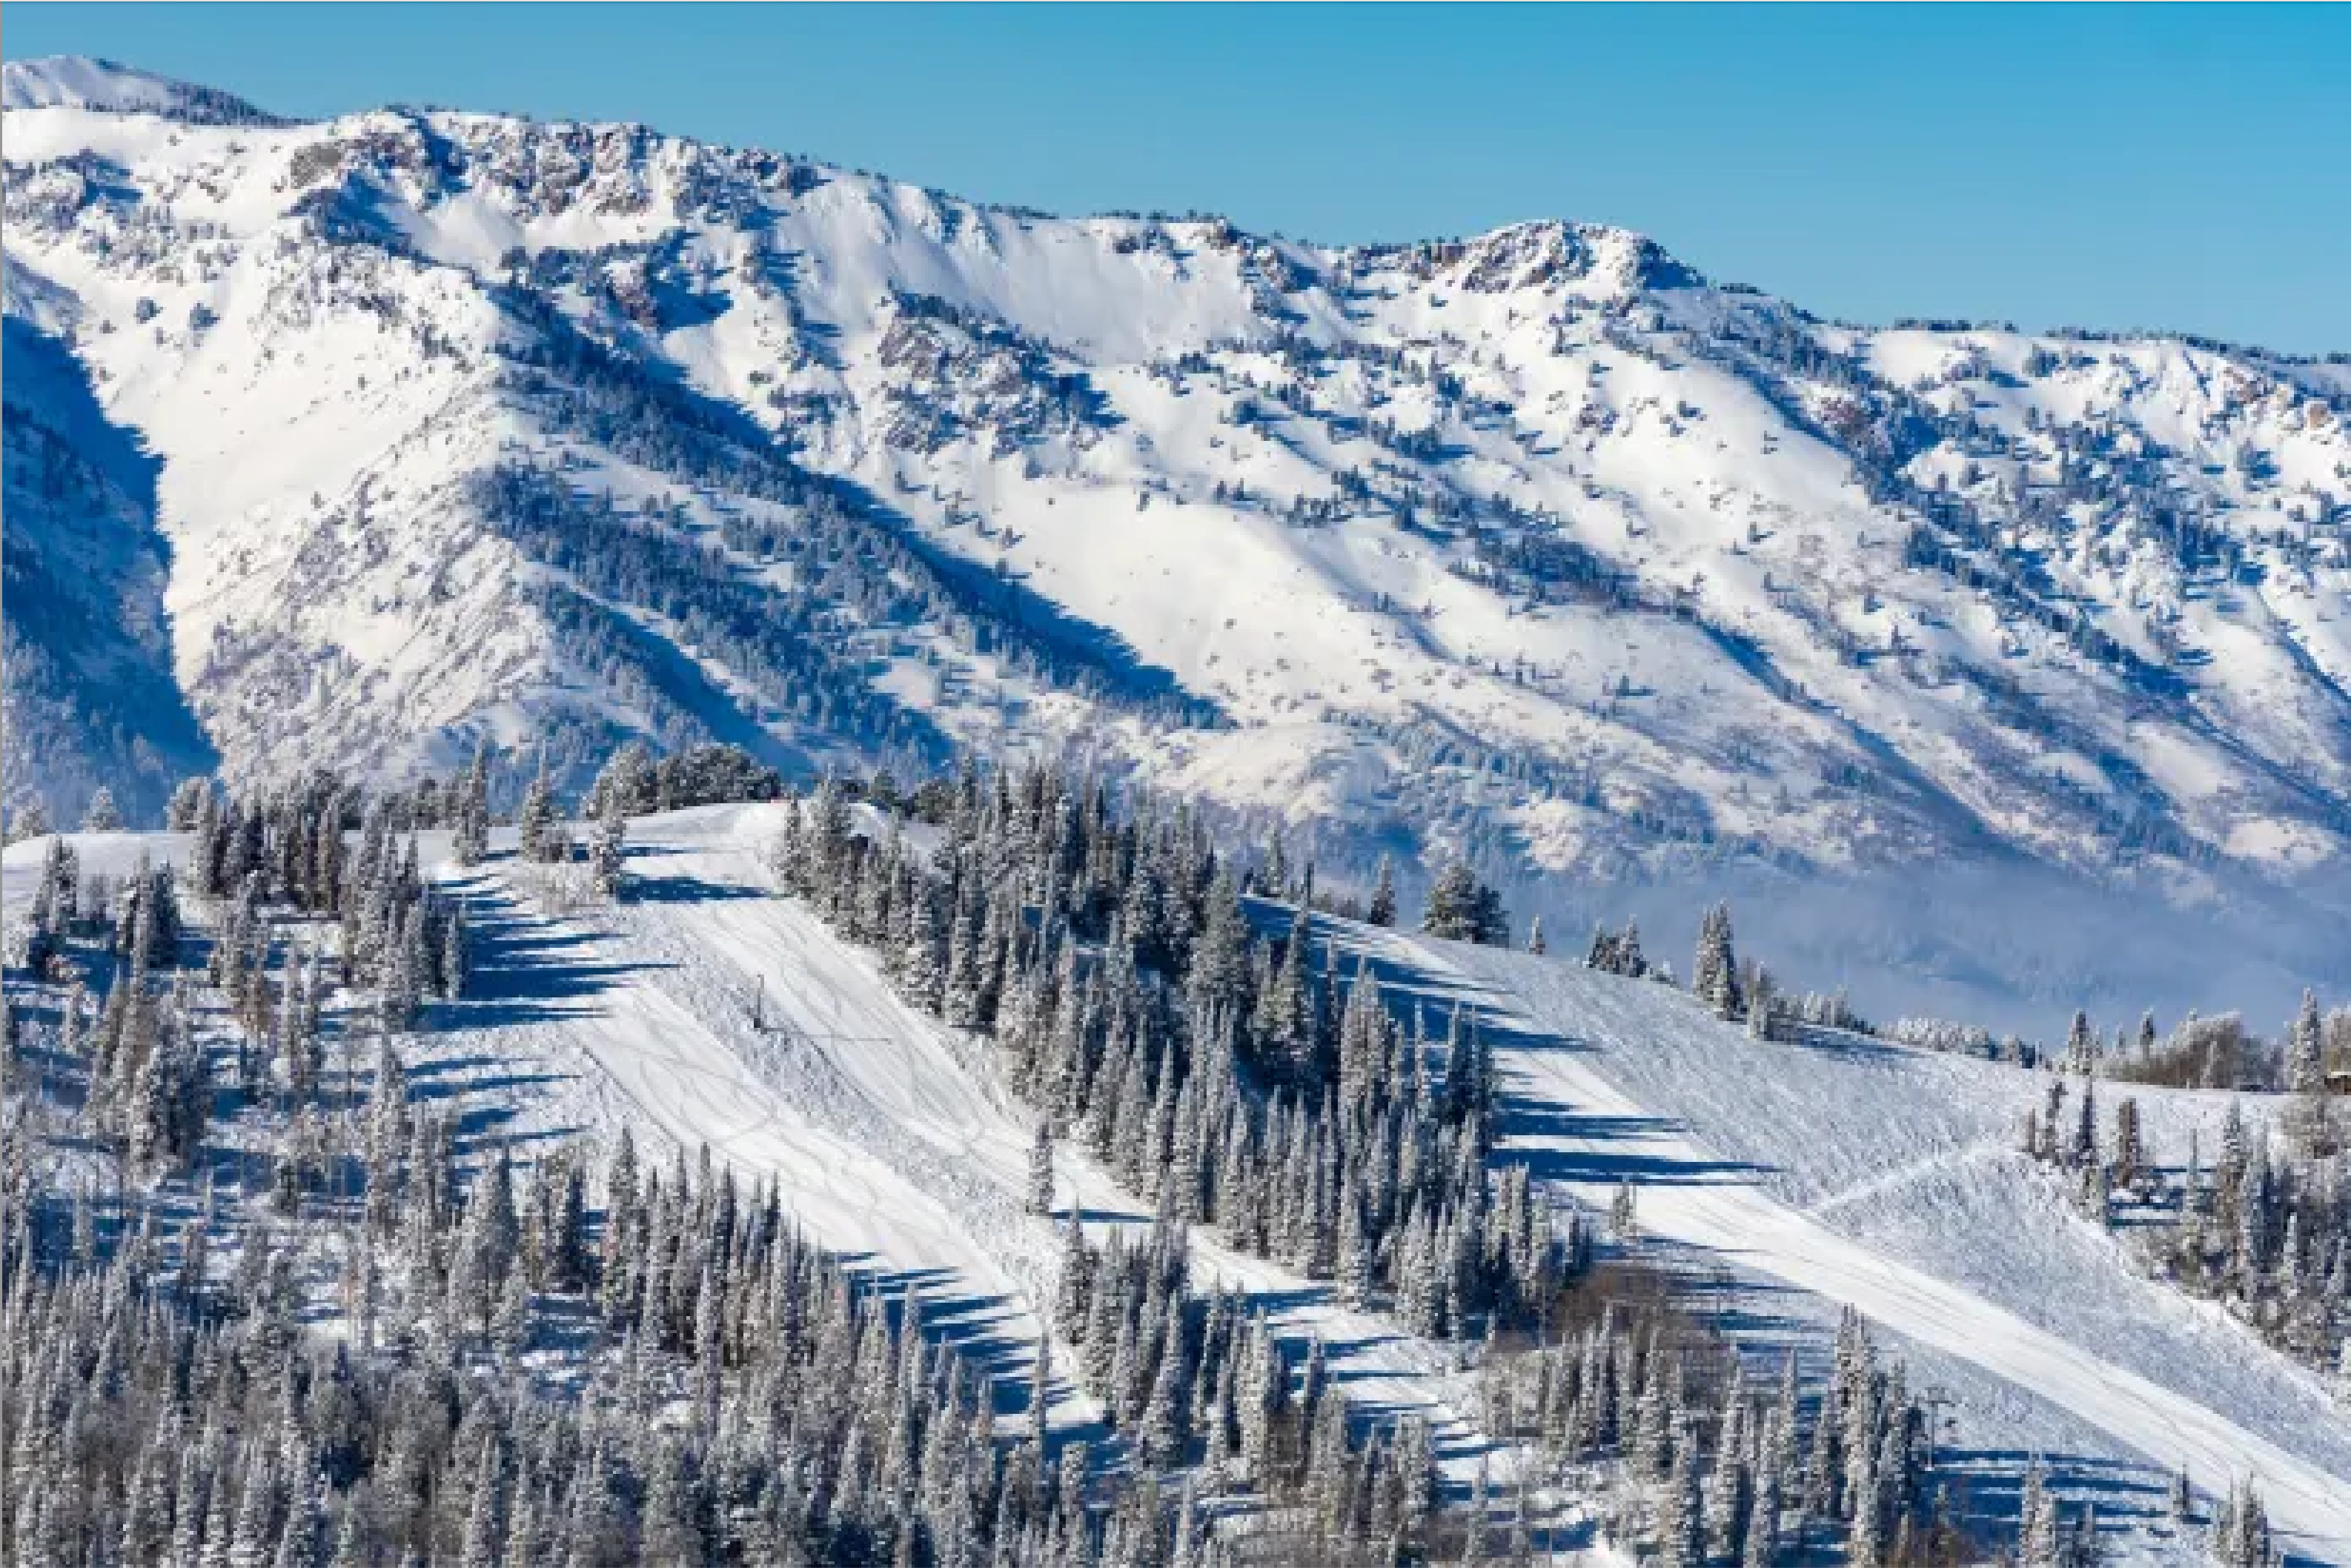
[705, 1009]
[1536, 545]
[73, 82]
[88, 697]
[1876, 1177]
[1889, 1178]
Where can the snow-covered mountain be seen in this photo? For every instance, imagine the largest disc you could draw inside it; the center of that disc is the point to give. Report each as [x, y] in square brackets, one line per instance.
[74, 81]
[1537, 545]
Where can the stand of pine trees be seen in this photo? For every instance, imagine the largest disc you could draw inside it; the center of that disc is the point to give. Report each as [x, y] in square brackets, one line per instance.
[760, 1406]
[1617, 952]
[397, 937]
[738, 1396]
[1715, 1470]
[1229, 1079]
[2264, 1229]
[283, 885]
[516, 1378]
[1186, 1378]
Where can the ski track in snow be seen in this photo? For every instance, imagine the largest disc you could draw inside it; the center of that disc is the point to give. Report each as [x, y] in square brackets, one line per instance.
[1563, 1034]
[1862, 1192]
[890, 1147]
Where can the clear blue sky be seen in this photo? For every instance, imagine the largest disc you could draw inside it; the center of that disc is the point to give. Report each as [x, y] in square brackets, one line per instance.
[2175, 167]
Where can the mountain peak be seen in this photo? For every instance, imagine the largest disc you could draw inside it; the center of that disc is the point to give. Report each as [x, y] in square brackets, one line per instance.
[1338, 532]
[82, 82]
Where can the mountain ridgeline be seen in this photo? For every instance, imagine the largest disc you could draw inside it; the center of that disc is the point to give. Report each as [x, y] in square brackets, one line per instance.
[1536, 548]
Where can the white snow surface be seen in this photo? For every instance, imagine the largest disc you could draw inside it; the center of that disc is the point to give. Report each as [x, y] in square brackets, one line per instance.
[102, 87]
[71, 82]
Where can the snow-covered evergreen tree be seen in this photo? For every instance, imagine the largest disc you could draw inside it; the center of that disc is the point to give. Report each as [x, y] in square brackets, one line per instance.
[2040, 1544]
[2313, 1119]
[186, 807]
[28, 820]
[1382, 910]
[102, 816]
[1714, 973]
[1460, 908]
[469, 839]
[1040, 1170]
[539, 831]
[606, 850]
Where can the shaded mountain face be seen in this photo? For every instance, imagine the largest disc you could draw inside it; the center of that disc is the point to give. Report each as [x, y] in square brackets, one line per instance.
[89, 697]
[1537, 547]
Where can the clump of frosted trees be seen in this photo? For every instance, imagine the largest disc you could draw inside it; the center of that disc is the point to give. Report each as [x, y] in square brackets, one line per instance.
[296, 910]
[1461, 908]
[1711, 1464]
[2261, 1223]
[1235, 1078]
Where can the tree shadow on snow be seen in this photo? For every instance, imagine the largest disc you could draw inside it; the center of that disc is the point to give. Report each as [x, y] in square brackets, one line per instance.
[495, 1083]
[1987, 1489]
[971, 1325]
[684, 889]
[1408, 988]
[1524, 1124]
[1846, 1045]
[513, 979]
